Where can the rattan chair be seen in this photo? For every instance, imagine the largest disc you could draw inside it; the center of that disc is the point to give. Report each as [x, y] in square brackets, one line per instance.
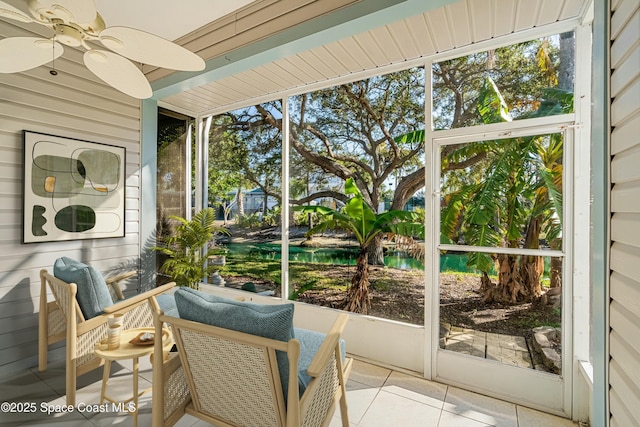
[62, 319]
[230, 378]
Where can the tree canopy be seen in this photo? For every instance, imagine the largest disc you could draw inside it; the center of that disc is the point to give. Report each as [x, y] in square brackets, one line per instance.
[359, 130]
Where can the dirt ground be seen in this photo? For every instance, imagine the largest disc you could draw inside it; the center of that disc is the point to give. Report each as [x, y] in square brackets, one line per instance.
[399, 295]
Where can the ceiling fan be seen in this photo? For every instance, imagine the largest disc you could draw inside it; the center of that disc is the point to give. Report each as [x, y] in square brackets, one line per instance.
[76, 23]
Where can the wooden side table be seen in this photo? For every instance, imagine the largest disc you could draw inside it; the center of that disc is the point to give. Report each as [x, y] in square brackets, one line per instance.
[128, 351]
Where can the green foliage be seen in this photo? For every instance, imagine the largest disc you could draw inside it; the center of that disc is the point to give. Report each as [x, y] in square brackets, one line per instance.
[522, 72]
[250, 221]
[295, 294]
[520, 179]
[272, 218]
[358, 218]
[188, 248]
[491, 105]
[302, 218]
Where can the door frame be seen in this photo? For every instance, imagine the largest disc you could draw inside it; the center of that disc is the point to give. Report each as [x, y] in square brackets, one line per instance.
[542, 390]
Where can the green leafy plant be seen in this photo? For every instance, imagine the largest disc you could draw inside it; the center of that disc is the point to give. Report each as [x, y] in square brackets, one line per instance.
[189, 247]
[358, 218]
[295, 294]
[250, 221]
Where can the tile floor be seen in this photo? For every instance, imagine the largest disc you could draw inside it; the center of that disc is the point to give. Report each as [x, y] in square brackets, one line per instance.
[376, 396]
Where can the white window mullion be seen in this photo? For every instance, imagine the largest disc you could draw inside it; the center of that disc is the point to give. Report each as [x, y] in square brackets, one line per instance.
[284, 216]
[432, 166]
[204, 163]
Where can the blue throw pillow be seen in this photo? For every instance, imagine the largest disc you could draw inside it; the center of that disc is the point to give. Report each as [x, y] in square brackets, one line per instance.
[264, 320]
[167, 304]
[310, 342]
[93, 295]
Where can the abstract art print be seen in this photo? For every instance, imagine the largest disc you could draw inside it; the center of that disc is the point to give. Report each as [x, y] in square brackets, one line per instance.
[73, 189]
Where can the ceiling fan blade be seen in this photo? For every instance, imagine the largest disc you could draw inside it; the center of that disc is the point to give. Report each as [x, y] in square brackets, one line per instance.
[118, 72]
[150, 49]
[8, 11]
[24, 53]
[78, 11]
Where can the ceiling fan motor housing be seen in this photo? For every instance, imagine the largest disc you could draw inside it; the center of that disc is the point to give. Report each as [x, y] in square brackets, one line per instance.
[68, 35]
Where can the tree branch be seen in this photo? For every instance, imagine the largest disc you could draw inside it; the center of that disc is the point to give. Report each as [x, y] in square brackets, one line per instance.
[320, 195]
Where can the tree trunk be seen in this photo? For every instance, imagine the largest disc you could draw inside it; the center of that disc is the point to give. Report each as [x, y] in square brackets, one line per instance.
[358, 294]
[518, 281]
[566, 68]
[240, 201]
[225, 212]
[376, 252]
[509, 288]
[265, 208]
[532, 267]
[555, 273]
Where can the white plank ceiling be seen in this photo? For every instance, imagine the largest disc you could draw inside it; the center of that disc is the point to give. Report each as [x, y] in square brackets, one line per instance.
[457, 25]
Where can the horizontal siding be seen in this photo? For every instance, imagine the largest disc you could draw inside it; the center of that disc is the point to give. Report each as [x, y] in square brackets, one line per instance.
[627, 345]
[73, 104]
[626, 105]
[626, 135]
[626, 292]
[627, 390]
[625, 260]
[625, 228]
[626, 73]
[623, 415]
[624, 166]
[626, 197]
[624, 284]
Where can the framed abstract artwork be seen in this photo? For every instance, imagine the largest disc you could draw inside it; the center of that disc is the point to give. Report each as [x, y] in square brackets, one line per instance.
[73, 189]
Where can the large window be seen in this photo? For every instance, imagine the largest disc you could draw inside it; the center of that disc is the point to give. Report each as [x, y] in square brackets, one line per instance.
[173, 169]
[350, 165]
[356, 155]
[244, 187]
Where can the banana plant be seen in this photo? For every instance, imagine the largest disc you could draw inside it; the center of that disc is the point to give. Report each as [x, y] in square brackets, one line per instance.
[516, 199]
[361, 220]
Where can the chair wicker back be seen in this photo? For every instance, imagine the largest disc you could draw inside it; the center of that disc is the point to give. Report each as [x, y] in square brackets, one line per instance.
[62, 319]
[232, 378]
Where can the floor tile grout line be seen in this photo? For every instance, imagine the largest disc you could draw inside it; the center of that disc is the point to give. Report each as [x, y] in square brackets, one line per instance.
[415, 400]
[37, 373]
[369, 406]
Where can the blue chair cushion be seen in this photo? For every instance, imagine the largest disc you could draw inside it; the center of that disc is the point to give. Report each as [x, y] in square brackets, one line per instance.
[310, 342]
[167, 304]
[93, 295]
[264, 320]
